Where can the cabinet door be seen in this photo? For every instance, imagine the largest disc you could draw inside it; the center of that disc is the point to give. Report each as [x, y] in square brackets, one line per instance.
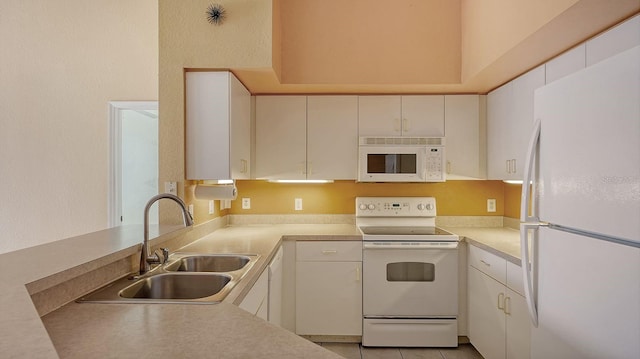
[240, 115]
[332, 137]
[521, 124]
[207, 125]
[328, 298]
[486, 320]
[614, 41]
[518, 333]
[281, 137]
[565, 64]
[379, 116]
[499, 112]
[465, 131]
[423, 116]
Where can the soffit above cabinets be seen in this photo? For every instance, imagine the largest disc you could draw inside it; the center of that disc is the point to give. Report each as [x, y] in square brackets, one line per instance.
[408, 46]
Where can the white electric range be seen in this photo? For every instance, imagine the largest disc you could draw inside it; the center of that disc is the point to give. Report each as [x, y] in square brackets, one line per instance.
[410, 274]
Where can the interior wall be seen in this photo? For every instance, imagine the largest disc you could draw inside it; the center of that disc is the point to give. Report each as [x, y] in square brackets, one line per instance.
[61, 62]
[187, 40]
[370, 41]
[454, 198]
[484, 38]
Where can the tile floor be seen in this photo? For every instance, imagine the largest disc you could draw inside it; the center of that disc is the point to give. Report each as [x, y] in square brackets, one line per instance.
[356, 351]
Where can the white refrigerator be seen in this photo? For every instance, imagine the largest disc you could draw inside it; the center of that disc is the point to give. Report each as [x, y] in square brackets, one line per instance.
[581, 214]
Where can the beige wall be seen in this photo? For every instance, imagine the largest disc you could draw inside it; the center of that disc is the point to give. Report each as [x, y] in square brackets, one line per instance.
[187, 40]
[61, 62]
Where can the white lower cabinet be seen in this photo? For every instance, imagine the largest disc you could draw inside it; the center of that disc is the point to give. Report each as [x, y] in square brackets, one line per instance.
[499, 325]
[329, 288]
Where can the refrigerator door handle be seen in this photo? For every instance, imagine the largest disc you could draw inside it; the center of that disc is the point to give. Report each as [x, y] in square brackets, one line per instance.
[527, 269]
[529, 174]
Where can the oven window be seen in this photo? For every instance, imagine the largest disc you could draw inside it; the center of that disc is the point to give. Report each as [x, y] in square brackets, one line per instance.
[391, 163]
[411, 272]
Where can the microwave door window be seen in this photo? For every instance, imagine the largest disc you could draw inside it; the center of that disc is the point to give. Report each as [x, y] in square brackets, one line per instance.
[407, 163]
[391, 163]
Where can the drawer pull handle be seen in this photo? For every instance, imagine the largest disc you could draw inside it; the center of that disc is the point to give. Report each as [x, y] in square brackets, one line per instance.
[507, 306]
[485, 263]
[329, 251]
[357, 273]
[501, 301]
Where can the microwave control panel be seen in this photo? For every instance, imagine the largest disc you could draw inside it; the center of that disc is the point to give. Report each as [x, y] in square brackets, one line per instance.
[435, 164]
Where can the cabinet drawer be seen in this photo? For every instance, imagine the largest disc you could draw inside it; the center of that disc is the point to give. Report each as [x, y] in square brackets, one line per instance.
[514, 278]
[488, 263]
[329, 251]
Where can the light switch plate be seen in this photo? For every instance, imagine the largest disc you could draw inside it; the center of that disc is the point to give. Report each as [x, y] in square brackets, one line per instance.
[211, 207]
[298, 204]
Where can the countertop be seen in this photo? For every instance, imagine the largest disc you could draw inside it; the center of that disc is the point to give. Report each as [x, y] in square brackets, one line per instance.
[126, 330]
[503, 242]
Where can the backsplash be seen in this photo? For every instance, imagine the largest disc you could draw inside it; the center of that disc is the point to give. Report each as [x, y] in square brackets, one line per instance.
[454, 198]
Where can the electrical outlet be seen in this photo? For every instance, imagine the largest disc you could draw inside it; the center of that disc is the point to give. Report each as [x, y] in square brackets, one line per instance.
[171, 187]
[298, 204]
[211, 208]
[491, 205]
[246, 203]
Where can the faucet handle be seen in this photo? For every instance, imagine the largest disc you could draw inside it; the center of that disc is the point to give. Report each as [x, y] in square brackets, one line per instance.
[164, 253]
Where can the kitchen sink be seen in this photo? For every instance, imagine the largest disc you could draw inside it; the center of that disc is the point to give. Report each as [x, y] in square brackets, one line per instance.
[209, 263]
[177, 286]
[195, 278]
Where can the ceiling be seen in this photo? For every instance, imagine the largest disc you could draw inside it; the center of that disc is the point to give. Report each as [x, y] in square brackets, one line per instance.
[421, 46]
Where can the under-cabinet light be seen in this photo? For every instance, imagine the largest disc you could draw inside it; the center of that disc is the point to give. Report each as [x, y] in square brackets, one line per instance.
[302, 181]
[512, 181]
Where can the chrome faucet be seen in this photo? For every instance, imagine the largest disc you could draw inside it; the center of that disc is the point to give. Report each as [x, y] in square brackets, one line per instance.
[145, 259]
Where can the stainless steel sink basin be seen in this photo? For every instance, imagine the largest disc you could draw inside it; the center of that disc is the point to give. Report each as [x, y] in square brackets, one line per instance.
[196, 278]
[177, 286]
[209, 263]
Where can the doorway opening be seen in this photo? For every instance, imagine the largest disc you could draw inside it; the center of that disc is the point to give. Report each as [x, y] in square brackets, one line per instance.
[133, 168]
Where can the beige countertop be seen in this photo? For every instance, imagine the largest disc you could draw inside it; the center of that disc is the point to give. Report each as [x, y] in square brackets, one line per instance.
[504, 242]
[23, 333]
[127, 330]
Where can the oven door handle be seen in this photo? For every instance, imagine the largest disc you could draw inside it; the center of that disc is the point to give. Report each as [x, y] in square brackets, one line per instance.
[411, 246]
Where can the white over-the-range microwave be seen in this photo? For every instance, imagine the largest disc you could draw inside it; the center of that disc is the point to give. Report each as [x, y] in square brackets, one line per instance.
[401, 159]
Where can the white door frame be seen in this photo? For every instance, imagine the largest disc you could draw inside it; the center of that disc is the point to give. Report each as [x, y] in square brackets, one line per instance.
[115, 155]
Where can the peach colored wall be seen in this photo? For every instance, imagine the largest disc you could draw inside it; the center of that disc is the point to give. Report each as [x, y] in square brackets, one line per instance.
[61, 63]
[454, 198]
[370, 41]
[512, 194]
[484, 38]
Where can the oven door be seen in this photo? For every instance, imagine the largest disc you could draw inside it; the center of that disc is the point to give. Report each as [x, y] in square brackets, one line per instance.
[416, 280]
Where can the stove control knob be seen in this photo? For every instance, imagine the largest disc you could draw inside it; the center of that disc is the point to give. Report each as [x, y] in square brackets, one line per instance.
[429, 207]
[363, 206]
[372, 206]
[420, 207]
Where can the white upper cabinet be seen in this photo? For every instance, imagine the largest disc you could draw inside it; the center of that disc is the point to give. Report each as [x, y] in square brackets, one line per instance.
[509, 124]
[566, 64]
[420, 115]
[281, 137]
[332, 137]
[218, 120]
[614, 41]
[465, 131]
[306, 138]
